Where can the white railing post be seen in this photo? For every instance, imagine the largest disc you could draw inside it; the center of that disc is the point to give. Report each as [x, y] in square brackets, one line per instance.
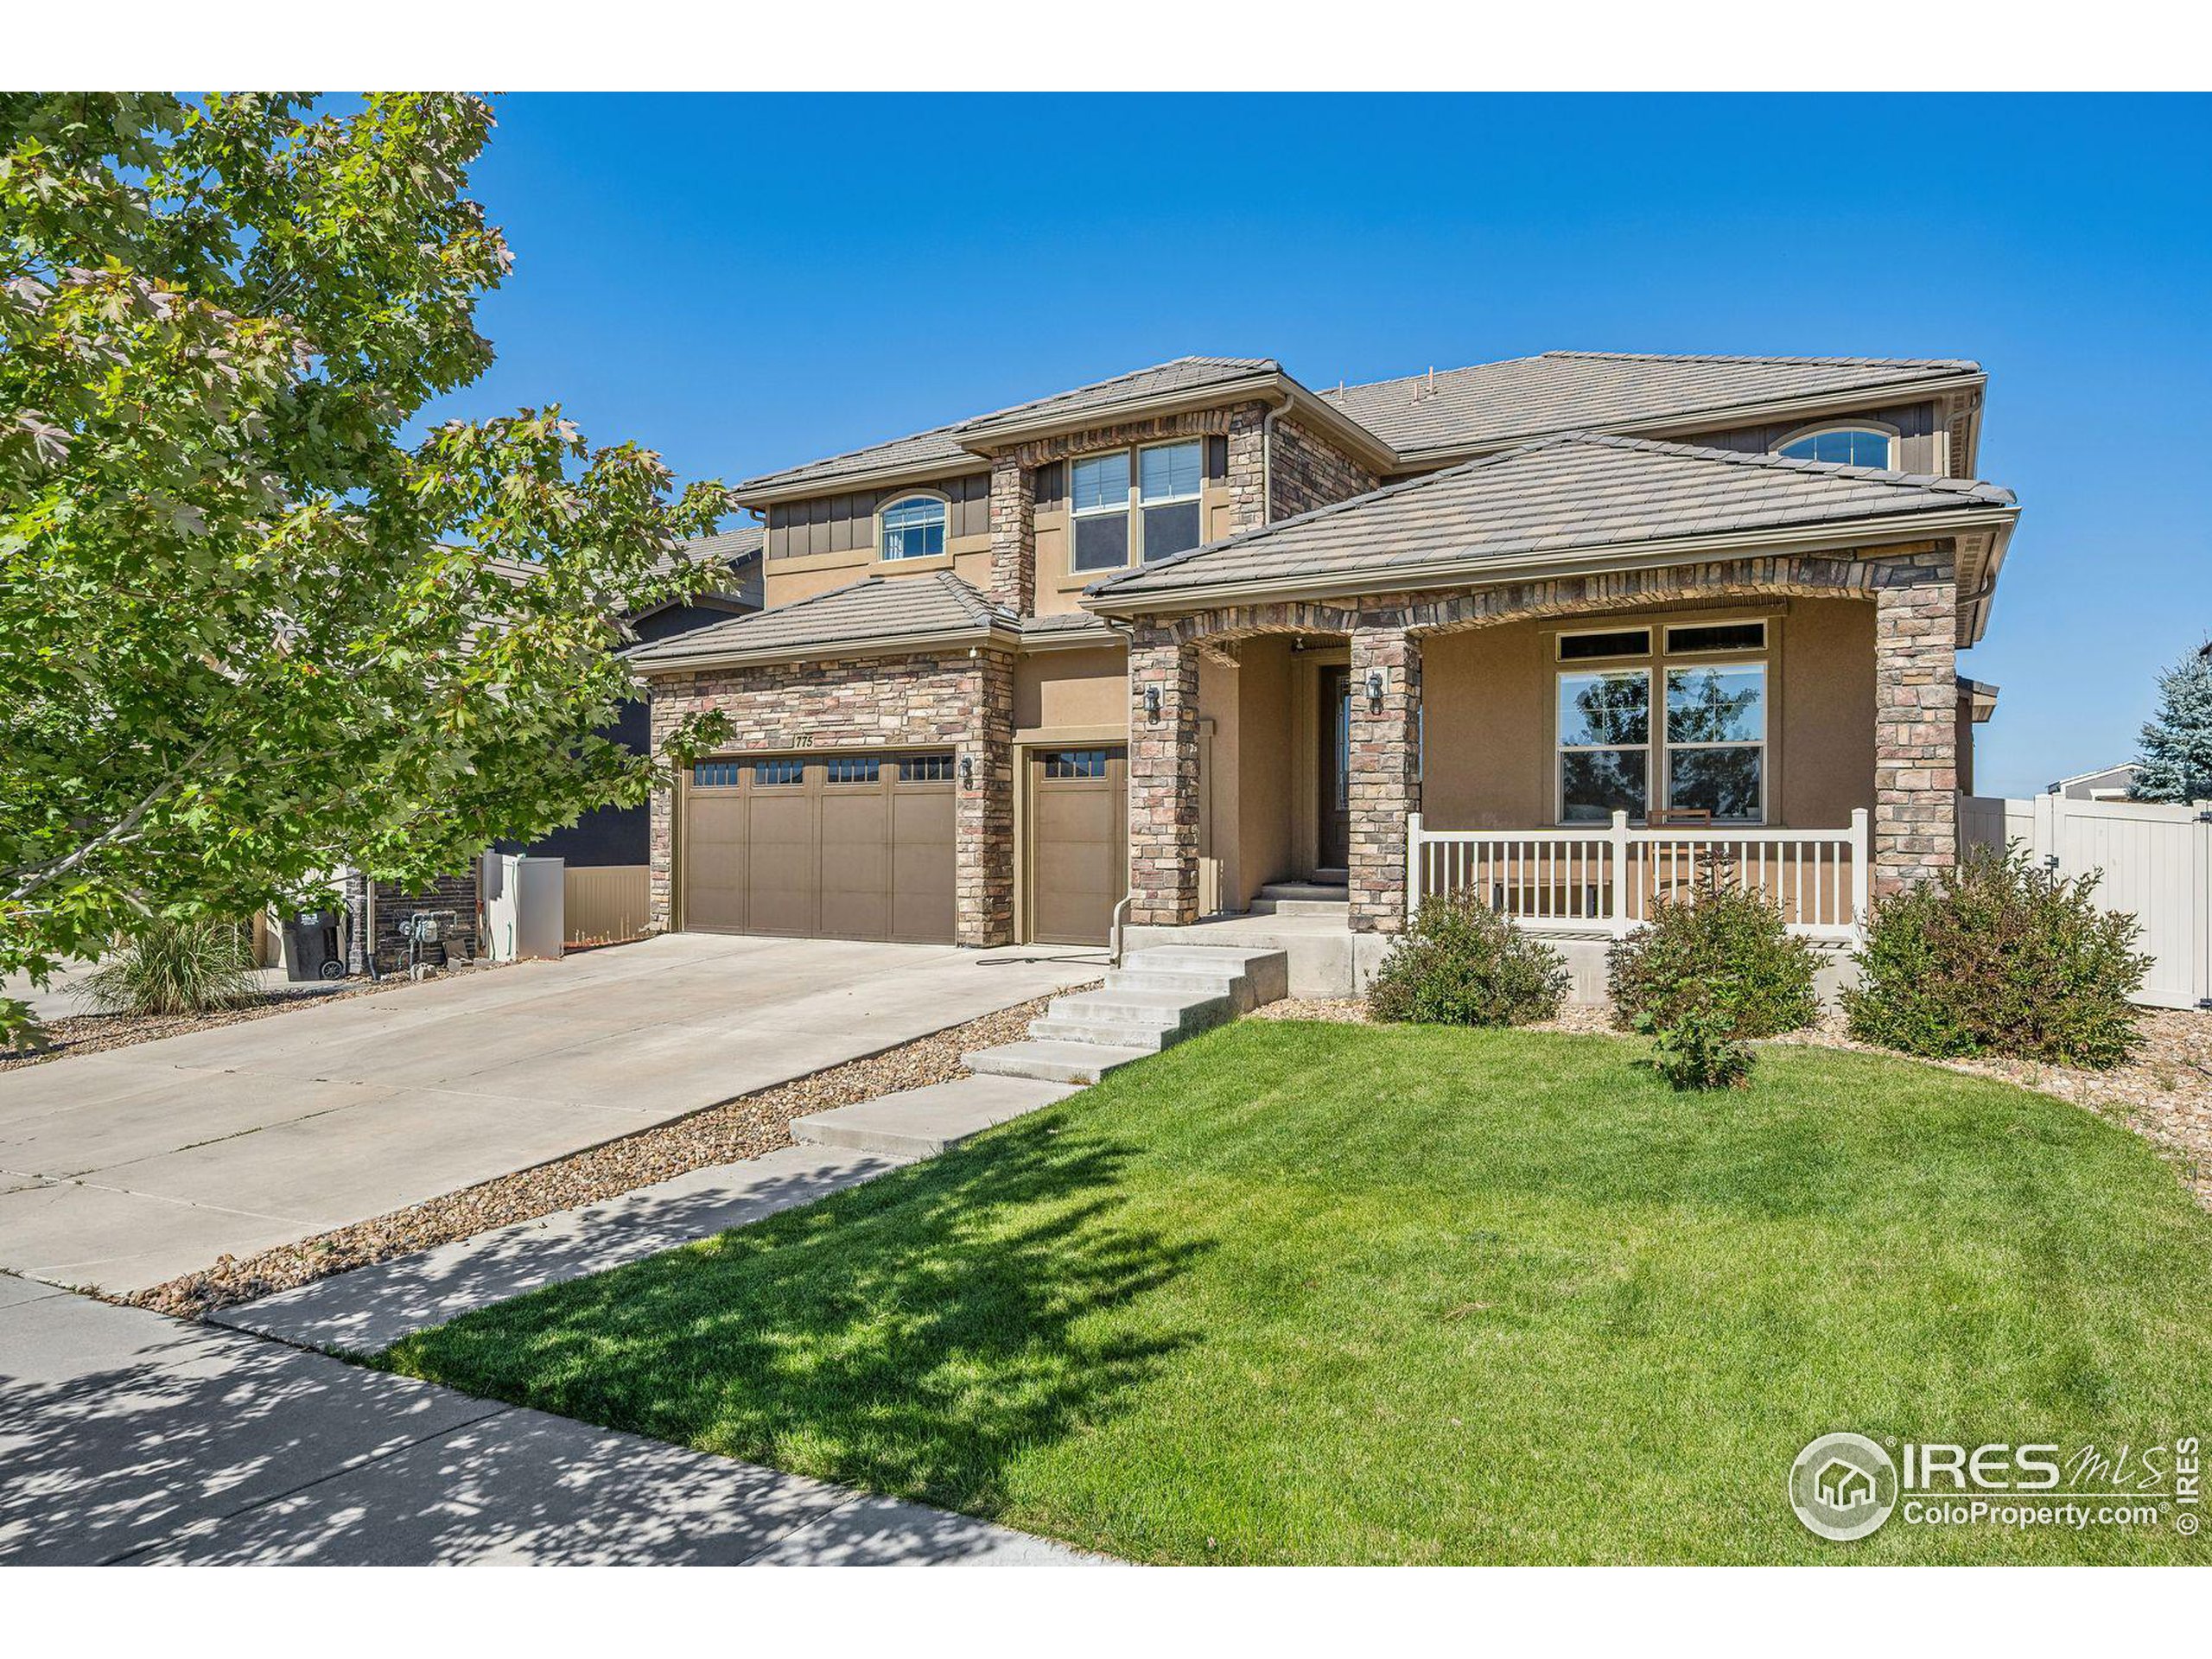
[1412, 867]
[1617, 839]
[1862, 870]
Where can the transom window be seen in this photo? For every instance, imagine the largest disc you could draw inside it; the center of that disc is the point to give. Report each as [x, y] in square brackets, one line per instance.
[1158, 494]
[1846, 446]
[1703, 750]
[912, 528]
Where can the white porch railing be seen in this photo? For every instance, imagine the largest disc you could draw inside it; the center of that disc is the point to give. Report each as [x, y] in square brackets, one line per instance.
[1605, 880]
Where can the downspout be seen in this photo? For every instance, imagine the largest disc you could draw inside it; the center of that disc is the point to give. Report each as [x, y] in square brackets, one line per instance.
[1267, 460]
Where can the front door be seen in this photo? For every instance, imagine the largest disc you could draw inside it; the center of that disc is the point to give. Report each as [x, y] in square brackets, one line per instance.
[1332, 845]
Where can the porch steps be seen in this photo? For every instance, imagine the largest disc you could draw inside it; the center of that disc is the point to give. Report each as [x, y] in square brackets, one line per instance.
[1302, 899]
[1155, 999]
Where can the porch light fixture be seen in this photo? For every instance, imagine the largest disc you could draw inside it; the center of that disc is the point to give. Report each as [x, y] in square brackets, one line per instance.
[967, 771]
[1152, 701]
[1375, 688]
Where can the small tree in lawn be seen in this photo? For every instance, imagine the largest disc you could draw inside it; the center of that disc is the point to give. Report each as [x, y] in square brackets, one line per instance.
[250, 628]
[2177, 759]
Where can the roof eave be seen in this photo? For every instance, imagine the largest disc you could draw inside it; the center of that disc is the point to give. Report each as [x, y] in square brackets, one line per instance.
[758, 494]
[1450, 572]
[1684, 421]
[654, 661]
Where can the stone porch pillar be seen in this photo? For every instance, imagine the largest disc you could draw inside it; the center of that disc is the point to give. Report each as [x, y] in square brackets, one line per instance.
[1163, 778]
[1013, 534]
[1916, 724]
[982, 829]
[1385, 782]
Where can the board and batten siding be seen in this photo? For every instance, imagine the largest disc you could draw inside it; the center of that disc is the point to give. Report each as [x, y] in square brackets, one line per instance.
[845, 523]
[2153, 861]
[1920, 441]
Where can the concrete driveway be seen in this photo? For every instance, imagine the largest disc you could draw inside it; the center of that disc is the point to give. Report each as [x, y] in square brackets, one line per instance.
[123, 1170]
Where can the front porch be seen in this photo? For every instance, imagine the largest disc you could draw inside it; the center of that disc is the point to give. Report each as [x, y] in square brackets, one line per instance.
[1570, 751]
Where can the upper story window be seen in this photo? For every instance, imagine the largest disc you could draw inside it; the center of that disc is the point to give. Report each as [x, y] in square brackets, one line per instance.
[1155, 488]
[912, 528]
[1846, 446]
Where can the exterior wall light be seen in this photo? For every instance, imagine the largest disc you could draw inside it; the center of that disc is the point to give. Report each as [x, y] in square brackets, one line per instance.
[1375, 688]
[1152, 701]
[967, 771]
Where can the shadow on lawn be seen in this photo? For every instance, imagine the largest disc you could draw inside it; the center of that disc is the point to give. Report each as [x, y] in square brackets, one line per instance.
[911, 1336]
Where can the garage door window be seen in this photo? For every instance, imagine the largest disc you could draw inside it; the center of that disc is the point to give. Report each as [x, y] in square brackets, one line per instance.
[1075, 763]
[855, 768]
[766, 772]
[714, 774]
[926, 769]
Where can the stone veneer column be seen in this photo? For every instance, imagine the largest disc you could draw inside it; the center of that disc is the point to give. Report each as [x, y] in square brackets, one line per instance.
[982, 829]
[1163, 779]
[1014, 534]
[1915, 723]
[663, 698]
[1247, 466]
[1385, 781]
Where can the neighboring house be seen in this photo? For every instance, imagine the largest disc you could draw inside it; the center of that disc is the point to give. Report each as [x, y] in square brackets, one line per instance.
[609, 838]
[1199, 630]
[2105, 784]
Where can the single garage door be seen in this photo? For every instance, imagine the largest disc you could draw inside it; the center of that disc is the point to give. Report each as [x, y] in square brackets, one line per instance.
[836, 846]
[1078, 842]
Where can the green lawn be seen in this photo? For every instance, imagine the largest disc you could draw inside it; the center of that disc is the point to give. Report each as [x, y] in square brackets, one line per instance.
[1305, 1293]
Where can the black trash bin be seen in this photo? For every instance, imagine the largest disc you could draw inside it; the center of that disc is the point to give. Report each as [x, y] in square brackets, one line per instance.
[311, 946]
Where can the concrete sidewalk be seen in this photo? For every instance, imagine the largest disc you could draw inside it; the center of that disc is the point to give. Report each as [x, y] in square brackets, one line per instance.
[128, 1168]
[128, 1437]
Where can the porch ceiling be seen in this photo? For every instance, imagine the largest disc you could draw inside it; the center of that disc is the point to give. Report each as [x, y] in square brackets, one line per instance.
[1580, 500]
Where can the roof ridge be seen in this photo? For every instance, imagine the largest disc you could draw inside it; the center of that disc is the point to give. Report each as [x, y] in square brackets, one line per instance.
[979, 605]
[1760, 357]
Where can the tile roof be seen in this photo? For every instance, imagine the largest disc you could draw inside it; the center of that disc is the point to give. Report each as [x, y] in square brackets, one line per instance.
[1575, 491]
[1533, 397]
[861, 617]
[943, 444]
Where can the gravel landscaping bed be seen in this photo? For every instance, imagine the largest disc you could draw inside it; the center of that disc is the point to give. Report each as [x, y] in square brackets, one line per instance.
[729, 1133]
[2165, 1094]
[94, 1033]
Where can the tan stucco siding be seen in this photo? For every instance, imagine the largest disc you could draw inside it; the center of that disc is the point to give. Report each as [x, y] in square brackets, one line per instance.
[1489, 718]
[1265, 767]
[1072, 691]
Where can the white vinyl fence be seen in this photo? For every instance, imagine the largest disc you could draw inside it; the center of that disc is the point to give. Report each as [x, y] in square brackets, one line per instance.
[2156, 861]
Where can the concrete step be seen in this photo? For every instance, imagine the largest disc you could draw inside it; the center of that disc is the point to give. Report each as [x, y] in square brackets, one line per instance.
[1338, 892]
[1176, 1011]
[1338, 906]
[1098, 1035]
[1053, 1062]
[922, 1123]
[1255, 975]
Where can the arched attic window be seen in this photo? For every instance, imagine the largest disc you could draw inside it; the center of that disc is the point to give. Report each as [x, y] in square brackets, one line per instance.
[912, 527]
[1846, 446]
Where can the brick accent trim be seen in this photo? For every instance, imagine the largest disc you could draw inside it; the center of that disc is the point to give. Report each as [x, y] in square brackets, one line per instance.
[1385, 782]
[1163, 772]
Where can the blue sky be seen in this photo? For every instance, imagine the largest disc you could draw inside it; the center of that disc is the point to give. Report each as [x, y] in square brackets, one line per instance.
[745, 282]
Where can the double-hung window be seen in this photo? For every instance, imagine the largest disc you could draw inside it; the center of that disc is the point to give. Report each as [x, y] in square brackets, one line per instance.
[1143, 503]
[1703, 749]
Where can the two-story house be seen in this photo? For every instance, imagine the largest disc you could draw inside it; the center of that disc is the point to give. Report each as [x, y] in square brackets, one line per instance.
[1197, 630]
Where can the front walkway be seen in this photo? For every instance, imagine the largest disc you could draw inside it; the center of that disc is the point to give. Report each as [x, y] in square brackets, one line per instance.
[129, 1437]
[126, 1169]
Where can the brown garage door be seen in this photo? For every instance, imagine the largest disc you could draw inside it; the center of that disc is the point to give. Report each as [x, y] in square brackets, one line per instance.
[1078, 847]
[840, 846]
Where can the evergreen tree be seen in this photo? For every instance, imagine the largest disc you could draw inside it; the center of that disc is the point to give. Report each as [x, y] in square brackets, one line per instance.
[2177, 760]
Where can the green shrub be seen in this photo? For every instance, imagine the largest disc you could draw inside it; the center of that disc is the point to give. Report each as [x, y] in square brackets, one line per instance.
[1998, 957]
[1460, 964]
[1722, 947]
[178, 965]
[1696, 1046]
[20, 1030]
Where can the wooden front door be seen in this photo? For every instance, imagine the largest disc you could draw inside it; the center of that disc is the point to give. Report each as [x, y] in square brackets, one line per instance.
[1332, 845]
